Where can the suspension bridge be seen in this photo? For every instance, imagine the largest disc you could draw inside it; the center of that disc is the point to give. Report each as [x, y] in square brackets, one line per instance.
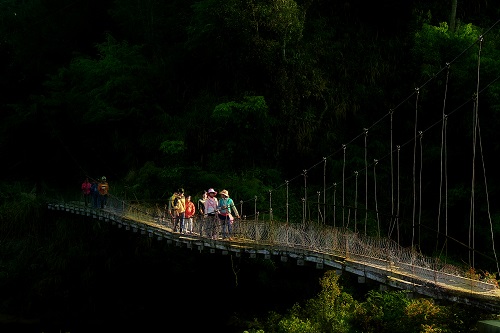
[326, 247]
[403, 186]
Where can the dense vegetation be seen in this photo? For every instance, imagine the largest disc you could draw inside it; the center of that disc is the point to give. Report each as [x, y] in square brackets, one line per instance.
[334, 310]
[246, 94]
[68, 273]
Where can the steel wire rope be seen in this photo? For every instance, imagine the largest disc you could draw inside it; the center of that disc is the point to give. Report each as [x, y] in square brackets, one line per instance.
[344, 146]
[351, 207]
[375, 162]
[459, 242]
[324, 191]
[366, 178]
[441, 120]
[334, 205]
[398, 196]
[487, 199]
[304, 207]
[391, 115]
[407, 98]
[392, 166]
[391, 111]
[414, 166]
[444, 119]
[379, 120]
[343, 188]
[420, 188]
[443, 151]
[478, 133]
[475, 121]
[356, 202]
[399, 147]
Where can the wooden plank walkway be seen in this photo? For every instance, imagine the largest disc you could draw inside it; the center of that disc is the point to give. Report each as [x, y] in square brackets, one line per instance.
[397, 274]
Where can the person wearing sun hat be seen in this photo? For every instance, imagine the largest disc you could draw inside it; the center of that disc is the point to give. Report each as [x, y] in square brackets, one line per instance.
[226, 209]
[211, 204]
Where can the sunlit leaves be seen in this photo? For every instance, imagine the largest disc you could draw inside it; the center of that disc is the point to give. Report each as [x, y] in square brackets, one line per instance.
[334, 311]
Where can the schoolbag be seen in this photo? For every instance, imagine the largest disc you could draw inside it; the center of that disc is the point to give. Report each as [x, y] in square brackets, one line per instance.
[93, 188]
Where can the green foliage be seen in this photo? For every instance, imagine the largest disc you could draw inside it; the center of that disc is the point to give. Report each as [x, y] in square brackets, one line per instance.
[383, 311]
[232, 94]
[172, 148]
[332, 310]
[242, 124]
[436, 45]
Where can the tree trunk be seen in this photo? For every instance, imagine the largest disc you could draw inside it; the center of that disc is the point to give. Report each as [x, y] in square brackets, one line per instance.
[453, 15]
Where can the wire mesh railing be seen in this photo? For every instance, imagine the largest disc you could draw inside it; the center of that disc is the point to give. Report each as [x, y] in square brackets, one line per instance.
[383, 253]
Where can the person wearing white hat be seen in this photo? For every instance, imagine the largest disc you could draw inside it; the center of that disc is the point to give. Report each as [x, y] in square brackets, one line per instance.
[211, 204]
[226, 209]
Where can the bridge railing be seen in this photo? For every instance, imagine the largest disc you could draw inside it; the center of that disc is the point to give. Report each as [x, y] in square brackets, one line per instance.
[342, 243]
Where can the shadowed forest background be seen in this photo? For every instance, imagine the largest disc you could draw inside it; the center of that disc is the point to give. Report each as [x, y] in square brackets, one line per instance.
[241, 95]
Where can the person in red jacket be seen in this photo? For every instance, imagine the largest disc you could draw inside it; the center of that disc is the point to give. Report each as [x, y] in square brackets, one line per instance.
[86, 191]
[189, 214]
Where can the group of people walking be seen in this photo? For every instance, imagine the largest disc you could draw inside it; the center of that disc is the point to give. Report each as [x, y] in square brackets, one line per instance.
[215, 214]
[95, 193]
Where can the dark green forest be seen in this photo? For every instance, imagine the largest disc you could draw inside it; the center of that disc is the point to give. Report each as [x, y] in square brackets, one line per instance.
[247, 95]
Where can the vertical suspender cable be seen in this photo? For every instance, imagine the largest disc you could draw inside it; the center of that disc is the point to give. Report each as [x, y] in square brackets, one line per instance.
[487, 199]
[324, 191]
[287, 217]
[304, 206]
[375, 162]
[270, 206]
[392, 174]
[475, 122]
[366, 178]
[356, 202]
[472, 193]
[334, 205]
[484, 176]
[399, 185]
[319, 207]
[255, 208]
[482, 157]
[488, 203]
[446, 182]
[343, 188]
[420, 188]
[414, 162]
[443, 138]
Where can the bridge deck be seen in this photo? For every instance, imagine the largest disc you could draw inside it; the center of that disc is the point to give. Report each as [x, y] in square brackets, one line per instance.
[325, 247]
